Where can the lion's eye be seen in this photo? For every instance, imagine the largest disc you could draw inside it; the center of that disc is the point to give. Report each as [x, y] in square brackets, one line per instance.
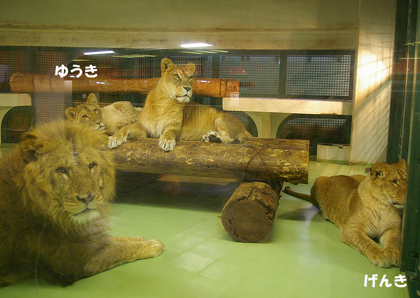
[394, 181]
[62, 170]
[190, 77]
[92, 165]
[85, 116]
[176, 76]
[95, 110]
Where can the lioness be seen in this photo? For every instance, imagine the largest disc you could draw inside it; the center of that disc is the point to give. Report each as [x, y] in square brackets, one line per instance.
[109, 118]
[365, 208]
[55, 190]
[169, 115]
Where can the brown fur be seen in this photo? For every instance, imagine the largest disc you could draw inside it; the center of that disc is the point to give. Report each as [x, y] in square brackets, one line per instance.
[111, 117]
[365, 208]
[169, 115]
[55, 190]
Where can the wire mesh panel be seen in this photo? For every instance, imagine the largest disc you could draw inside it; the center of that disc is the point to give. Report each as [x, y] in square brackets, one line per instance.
[203, 64]
[49, 106]
[16, 121]
[258, 75]
[12, 61]
[48, 60]
[144, 67]
[334, 129]
[319, 75]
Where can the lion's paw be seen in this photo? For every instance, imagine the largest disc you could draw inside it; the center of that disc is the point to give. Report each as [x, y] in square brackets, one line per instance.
[385, 259]
[167, 144]
[114, 141]
[211, 136]
[155, 247]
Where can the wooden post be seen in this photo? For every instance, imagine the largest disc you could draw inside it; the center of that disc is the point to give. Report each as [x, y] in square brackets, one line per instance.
[259, 160]
[249, 214]
[45, 83]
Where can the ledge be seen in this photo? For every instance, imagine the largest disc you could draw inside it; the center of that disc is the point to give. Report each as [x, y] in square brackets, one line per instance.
[288, 106]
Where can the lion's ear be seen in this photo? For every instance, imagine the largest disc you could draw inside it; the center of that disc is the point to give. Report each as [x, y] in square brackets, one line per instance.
[92, 99]
[30, 147]
[190, 67]
[166, 65]
[401, 164]
[378, 171]
[71, 113]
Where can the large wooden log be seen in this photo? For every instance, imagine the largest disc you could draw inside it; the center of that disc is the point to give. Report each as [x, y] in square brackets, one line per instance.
[45, 83]
[259, 160]
[249, 214]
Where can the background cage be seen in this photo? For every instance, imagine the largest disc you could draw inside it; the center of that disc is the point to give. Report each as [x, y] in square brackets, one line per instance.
[316, 129]
[325, 75]
[16, 121]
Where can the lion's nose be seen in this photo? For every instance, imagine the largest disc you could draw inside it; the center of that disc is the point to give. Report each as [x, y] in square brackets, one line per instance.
[87, 198]
[187, 88]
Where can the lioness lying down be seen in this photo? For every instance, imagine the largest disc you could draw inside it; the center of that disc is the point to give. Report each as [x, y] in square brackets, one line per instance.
[365, 208]
[168, 115]
[109, 118]
[55, 190]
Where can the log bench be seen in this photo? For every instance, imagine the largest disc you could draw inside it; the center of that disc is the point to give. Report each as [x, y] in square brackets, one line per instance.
[261, 165]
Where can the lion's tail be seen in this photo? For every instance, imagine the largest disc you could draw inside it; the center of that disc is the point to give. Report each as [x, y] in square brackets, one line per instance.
[302, 196]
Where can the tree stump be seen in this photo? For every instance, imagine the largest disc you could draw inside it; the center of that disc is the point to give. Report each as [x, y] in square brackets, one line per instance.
[249, 214]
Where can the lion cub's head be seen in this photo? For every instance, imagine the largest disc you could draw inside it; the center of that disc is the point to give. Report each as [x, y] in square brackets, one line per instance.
[177, 81]
[88, 113]
[69, 177]
[389, 182]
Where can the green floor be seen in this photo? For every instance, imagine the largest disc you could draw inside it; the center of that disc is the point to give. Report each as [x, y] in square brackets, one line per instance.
[301, 257]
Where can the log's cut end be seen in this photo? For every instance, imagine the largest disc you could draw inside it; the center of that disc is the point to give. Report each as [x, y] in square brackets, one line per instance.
[249, 214]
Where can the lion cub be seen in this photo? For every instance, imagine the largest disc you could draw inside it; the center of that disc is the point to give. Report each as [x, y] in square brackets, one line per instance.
[365, 208]
[109, 118]
[169, 115]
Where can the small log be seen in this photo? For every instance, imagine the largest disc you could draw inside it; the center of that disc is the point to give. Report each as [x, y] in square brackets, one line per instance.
[259, 160]
[249, 214]
[45, 83]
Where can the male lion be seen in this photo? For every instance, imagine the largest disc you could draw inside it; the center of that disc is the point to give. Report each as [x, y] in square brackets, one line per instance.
[55, 190]
[111, 117]
[365, 208]
[168, 115]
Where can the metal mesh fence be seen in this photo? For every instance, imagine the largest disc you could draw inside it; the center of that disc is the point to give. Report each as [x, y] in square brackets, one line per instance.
[203, 64]
[318, 75]
[334, 129]
[12, 61]
[17, 121]
[47, 61]
[257, 75]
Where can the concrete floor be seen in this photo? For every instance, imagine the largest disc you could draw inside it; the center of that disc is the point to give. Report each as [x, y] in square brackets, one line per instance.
[301, 257]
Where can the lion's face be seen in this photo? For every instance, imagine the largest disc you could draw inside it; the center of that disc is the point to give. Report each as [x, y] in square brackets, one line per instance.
[88, 113]
[69, 174]
[390, 182]
[177, 80]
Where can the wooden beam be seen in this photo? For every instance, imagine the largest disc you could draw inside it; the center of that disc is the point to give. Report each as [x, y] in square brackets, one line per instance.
[45, 83]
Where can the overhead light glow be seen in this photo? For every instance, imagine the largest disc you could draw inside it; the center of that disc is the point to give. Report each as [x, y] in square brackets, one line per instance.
[99, 52]
[196, 45]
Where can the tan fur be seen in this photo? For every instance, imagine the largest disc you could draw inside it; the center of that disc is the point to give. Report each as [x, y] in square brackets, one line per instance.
[111, 117]
[169, 115]
[55, 194]
[365, 208]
